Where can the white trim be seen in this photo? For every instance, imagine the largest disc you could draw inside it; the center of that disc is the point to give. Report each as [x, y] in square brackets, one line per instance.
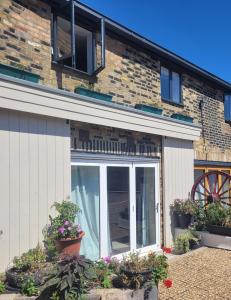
[33, 98]
[132, 202]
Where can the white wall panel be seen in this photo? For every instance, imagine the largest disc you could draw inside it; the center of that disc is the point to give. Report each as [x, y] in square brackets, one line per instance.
[34, 172]
[178, 164]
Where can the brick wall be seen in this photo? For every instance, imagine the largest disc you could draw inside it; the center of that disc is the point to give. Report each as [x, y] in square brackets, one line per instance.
[130, 76]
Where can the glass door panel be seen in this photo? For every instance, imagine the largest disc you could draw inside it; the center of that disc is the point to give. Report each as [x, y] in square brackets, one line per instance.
[118, 195]
[145, 207]
[85, 192]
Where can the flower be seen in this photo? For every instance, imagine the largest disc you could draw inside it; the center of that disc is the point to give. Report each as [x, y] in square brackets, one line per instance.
[168, 283]
[66, 223]
[167, 249]
[78, 228]
[107, 259]
[61, 230]
[69, 228]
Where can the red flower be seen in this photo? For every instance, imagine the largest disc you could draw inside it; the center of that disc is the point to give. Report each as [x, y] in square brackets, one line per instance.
[168, 283]
[167, 250]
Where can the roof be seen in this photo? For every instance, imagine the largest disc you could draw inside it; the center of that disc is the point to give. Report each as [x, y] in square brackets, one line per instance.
[147, 44]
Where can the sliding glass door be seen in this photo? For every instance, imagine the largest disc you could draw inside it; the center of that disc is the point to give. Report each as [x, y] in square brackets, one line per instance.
[119, 203]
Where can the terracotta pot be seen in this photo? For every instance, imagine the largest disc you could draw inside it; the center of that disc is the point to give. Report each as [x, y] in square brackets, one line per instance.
[69, 246]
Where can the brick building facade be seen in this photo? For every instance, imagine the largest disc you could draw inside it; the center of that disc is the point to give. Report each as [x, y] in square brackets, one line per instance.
[115, 131]
[131, 76]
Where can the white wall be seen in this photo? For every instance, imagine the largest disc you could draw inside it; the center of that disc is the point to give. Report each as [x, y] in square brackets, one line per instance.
[178, 170]
[34, 172]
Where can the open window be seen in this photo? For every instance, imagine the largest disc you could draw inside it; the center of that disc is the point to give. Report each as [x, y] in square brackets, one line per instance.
[78, 39]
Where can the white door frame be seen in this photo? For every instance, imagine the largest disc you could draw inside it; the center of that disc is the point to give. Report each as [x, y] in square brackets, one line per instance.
[131, 163]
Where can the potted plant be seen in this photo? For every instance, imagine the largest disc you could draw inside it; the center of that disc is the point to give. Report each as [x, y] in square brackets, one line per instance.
[183, 210]
[63, 230]
[90, 92]
[186, 241]
[218, 219]
[31, 266]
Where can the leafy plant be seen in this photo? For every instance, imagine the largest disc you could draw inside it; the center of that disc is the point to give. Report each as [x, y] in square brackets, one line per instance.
[69, 280]
[2, 287]
[137, 271]
[199, 218]
[31, 260]
[63, 225]
[216, 214]
[160, 272]
[184, 206]
[182, 242]
[29, 288]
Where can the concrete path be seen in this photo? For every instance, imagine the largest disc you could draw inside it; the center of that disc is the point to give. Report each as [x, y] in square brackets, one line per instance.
[201, 274]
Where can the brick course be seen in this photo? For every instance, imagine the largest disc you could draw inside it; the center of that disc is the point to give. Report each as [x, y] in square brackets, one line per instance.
[131, 76]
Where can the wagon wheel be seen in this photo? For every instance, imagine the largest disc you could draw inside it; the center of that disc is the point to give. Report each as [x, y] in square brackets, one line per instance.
[213, 186]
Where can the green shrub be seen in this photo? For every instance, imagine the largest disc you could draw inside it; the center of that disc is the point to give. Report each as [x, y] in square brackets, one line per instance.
[182, 242]
[186, 206]
[31, 260]
[29, 288]
[2, 287]
[216, 214]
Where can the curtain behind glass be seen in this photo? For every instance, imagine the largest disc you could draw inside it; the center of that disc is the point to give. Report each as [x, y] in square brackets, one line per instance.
[145, 207]
[85, 193]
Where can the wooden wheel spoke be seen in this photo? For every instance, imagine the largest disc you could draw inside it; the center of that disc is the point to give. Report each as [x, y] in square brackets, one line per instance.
[223, 183]
[204, 188]
[225, 192]
[200, 193]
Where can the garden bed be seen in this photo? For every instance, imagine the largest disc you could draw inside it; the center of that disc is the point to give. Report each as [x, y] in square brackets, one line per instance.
[210, 239]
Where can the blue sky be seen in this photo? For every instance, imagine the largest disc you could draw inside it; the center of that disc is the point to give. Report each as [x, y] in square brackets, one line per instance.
[198, 30]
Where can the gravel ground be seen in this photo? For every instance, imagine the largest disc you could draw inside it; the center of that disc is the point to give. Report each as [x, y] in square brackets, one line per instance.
[199, 275]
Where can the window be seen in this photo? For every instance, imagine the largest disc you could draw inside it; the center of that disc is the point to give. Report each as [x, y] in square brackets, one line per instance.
[78, 42]
[170, 86]
[227, 108]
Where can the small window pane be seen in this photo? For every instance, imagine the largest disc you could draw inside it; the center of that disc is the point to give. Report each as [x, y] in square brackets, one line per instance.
[165, 86]
[227, 107]
[64, 41]
[175, 87]
[83, 49]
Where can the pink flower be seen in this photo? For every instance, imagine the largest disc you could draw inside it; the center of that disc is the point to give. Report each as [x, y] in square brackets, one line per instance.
[78, 228]
[69, 228]
[66, 223]
[107, 259]
[61, 230]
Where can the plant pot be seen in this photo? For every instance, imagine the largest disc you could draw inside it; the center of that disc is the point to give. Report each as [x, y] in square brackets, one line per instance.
[182, 118]
[220, 230]
[17, 73]
[147, 274]
[150, 109]
[176, 219]
[184, 220]
[93, 94]
[15, 279]
[69, 246]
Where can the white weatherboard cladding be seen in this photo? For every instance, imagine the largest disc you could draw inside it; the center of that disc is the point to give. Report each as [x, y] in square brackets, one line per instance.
[34, 172]
[178, 164]
[19, 95]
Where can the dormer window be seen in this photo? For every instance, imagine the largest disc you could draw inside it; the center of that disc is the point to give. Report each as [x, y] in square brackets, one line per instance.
[78, 41]
[227, 108]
